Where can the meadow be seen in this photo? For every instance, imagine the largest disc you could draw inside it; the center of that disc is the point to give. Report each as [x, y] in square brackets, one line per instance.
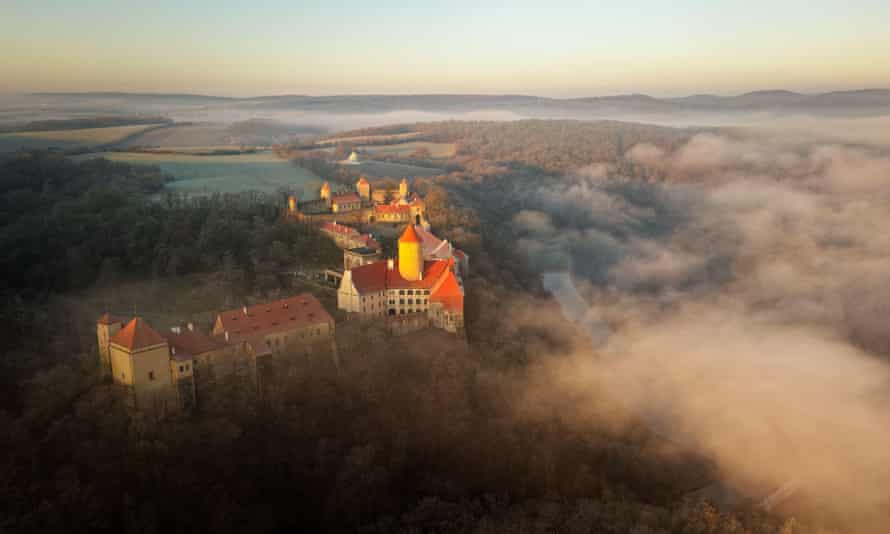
[67, 139]
[181, 136]
[201, 175]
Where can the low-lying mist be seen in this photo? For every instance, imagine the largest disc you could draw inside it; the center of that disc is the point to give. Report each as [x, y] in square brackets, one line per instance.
[740, 301]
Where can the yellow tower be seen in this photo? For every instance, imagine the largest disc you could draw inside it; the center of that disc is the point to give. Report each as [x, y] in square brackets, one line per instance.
[292, 204]
[410, 255]
[403, 190]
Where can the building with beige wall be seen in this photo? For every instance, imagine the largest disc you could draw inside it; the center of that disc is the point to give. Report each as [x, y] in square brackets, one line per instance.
[140, 362]
[175, 371]
[405, 285]
[292, 323]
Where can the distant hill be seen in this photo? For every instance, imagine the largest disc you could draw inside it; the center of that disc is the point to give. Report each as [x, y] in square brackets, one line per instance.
[776, 101]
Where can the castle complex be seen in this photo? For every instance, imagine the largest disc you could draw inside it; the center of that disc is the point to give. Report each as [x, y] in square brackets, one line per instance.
[410, 285]
[169, 372]
[164, 372]
[363, 205]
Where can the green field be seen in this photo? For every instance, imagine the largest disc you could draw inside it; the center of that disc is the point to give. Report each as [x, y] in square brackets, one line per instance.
[199, 175]
[181, 137]
[65, 139]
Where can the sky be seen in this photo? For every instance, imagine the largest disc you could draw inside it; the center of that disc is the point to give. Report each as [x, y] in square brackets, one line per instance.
[553, 48]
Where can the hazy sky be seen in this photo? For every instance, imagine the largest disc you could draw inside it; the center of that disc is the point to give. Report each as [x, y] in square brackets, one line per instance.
[553, 48]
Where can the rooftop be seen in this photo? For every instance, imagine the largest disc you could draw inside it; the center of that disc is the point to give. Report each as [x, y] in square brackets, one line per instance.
[378, 276]
[391, 208]
[346, 197]
[192, 342]
[137, 335]
[409, 235]
[286, 314]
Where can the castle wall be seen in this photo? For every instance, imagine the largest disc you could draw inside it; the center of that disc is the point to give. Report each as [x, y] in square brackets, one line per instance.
[146, 373]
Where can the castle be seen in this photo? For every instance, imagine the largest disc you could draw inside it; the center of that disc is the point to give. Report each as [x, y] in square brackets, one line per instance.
[168, 372]
[363, 205]
[427, 289]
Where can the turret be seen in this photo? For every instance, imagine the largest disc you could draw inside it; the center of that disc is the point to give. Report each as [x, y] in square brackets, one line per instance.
[292, 204]
[410, 255]
[325, 193]
[403, 190]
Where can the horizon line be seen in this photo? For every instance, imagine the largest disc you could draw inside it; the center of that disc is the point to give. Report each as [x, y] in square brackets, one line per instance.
[513, 95]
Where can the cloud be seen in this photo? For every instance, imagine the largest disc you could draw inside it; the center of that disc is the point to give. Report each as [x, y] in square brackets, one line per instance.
[748, 303]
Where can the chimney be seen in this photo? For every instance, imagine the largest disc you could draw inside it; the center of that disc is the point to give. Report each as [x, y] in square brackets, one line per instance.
[244, 309]
[176, 329]
[191, 326]
[390, 264]
[227, 335]
[173, 351]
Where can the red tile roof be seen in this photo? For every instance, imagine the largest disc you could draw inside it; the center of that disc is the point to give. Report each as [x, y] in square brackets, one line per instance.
[193, 342]
[338, 228]
[278, 316]
[375, 277]
[449, 293]
[390, 208]
[409, 235]
[346, 198]
[137, 335]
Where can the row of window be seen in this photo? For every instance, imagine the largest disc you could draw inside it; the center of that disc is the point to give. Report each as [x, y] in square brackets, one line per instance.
[411, 292]
[410, 301]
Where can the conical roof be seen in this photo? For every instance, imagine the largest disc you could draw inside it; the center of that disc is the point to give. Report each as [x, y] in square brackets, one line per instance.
[409, 235]
[137, 335]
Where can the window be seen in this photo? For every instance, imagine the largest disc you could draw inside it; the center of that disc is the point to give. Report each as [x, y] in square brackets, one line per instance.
[186, 367]
[181, 369]
[151, 375]
[401, 292]
[401, 301]
[410, 291]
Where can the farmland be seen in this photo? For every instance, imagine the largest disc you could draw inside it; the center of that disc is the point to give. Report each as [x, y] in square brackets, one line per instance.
[201, 175]
[189, 136]
[67, 139]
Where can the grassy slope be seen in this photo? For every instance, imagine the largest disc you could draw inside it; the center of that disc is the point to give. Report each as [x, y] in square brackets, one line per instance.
[226, 174]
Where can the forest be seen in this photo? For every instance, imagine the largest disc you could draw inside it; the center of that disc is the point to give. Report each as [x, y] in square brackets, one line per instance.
[419, 434]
